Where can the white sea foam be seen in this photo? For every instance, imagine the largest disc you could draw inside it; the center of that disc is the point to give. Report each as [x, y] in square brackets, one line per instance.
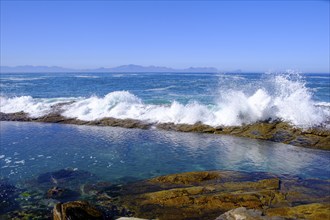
[281, 98]
[34, 107]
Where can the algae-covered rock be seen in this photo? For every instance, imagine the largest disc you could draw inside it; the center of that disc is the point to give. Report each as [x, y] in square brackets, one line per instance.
[208, 194]
[76, 210]
[309, 211]
[195, 195]
[187, 178]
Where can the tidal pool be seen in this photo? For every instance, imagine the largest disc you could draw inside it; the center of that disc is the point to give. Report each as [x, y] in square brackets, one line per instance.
[113, 154]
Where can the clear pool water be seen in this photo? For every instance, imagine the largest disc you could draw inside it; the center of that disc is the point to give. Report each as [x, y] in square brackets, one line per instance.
[29, 149]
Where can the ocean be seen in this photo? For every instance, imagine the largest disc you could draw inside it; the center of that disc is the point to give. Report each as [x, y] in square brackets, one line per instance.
[30, 149]
[213, 99]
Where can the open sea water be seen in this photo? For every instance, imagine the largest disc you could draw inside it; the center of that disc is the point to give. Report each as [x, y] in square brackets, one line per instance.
[29, 149]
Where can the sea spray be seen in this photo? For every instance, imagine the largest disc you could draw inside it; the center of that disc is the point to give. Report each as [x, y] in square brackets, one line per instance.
[277, 97]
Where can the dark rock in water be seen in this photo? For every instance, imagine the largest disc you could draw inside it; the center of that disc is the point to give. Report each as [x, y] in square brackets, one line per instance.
[62, 176]
[18, 116]
[76, 210]
[125, 123]
[62, 194]
[8, 195]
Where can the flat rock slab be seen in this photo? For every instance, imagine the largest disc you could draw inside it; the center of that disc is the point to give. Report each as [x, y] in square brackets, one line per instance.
[208, 194]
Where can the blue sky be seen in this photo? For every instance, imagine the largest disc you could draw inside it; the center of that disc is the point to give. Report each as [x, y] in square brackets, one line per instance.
[228, 35]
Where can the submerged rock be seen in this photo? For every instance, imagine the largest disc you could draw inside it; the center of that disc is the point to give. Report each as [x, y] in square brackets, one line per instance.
[64, 176]
[62, 194]
[76, 210]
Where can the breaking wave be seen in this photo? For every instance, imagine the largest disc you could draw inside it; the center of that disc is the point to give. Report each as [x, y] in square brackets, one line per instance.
[284, 99]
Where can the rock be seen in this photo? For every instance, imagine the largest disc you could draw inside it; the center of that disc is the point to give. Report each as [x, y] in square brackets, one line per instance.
[18, 116]
[309, 211]
[64, 176]
[195, 194]
[245, 214]
[125, 123]
[187, 178]
[76, 210]
[207, 194]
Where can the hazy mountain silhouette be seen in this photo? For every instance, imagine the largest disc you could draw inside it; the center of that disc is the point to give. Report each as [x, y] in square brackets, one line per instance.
[123, 68]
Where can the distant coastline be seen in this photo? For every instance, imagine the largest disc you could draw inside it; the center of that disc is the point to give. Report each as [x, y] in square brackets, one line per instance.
[118, 69]
[130, 68]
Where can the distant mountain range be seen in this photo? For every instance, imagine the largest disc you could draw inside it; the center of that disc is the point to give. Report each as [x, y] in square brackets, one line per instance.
[121, 69]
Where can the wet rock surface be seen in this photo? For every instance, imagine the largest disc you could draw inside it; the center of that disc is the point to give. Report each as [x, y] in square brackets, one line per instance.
[276, 131]
[206, 195]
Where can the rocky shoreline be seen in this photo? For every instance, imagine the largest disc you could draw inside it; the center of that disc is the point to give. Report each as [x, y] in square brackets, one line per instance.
[221, 195]
[277, 131]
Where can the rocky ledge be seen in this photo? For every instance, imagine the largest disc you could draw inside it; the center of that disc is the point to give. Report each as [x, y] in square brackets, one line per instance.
[276, 131]
[208, 194]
